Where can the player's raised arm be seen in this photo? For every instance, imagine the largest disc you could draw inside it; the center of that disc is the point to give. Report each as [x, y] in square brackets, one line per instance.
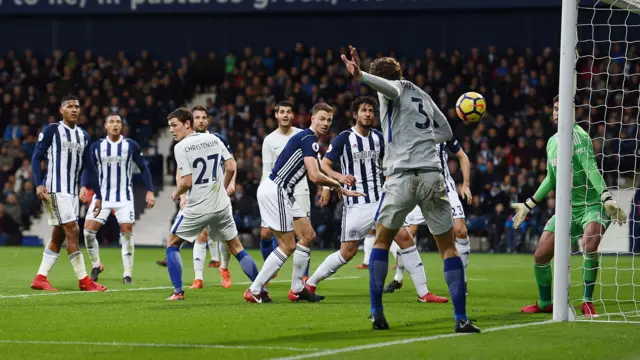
[390, 89]
[42, 146]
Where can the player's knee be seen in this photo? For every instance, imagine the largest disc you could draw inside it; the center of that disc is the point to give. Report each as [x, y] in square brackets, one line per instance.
[71, 231]
[308, 238]
[126, 228]
[265, 234]
[173, 241]
[541, 256]
[461, 232]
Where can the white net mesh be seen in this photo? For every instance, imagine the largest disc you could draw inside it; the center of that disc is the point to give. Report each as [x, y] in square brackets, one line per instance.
[608, 100]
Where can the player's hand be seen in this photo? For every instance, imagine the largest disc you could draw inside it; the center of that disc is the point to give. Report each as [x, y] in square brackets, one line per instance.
[522, 209]
[325, 196]
[348, 180]
[97, 208]
[350, 193]
[231, 189]
[83, 194]
[615, 212]
[175, 197]
[183, 201]
[353, 65]
[151, 199]
[42, 193]
[466, 193]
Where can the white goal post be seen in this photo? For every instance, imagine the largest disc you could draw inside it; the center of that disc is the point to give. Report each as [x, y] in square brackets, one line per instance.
[599, 89]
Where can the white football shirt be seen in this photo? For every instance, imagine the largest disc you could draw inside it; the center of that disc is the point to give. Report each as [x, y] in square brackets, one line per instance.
[200, 156]
[272, 146]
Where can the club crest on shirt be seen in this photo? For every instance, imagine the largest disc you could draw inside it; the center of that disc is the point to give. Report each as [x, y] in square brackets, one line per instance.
[315, 147]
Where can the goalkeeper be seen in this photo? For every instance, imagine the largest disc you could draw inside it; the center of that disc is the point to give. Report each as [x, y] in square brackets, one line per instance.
[592, 210]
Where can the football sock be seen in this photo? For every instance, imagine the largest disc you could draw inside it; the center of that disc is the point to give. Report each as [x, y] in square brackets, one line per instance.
[266, 247]
[224, 255]
[368, 246]
[77, 261]
[399, 269]
[394, 249]
[269, 268]
[590, 275]
[91, 243]
[328, 267]
[199, 254]
[248, 265]
[378, 267]
[213, 249]
[454, 276]
[543, 278]
[174, 265]
[306, 272]
[462, 245]
[127, 253]
[300, 265]
[412, 262]
[274, 242]
[49, 258]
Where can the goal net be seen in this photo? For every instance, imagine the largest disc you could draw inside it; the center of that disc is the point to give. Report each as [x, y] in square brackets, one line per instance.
[607, 106]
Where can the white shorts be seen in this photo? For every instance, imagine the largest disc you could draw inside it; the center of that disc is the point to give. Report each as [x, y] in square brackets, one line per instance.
[403, 191]
[357, 221]
[123, 211]
[276, 209]
[62, 209]
[219, 225]
[415, 217]
[303, 208]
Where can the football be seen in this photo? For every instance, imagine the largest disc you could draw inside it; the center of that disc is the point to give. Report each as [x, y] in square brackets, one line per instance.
[471, 107]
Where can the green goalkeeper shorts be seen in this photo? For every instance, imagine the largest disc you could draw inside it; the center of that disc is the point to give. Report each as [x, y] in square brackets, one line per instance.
[580, 217]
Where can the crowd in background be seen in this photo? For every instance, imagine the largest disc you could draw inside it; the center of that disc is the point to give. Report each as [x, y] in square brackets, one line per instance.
[507, 149]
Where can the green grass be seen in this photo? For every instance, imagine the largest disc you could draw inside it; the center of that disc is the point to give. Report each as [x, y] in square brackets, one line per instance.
[498, 284]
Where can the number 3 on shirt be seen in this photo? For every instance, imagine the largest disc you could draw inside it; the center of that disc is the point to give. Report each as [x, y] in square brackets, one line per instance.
[427, 123]
[201, 178]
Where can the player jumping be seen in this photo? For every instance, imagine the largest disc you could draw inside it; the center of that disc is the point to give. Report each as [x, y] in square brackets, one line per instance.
[592, 210]
[413, 126]
[415, 218]
[278, 207]
[360, 151]
[64, 146]
[198, 156]
[113, 158]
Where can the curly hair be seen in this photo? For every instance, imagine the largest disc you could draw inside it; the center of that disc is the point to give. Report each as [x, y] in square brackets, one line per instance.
[363, 100]
[387, 68]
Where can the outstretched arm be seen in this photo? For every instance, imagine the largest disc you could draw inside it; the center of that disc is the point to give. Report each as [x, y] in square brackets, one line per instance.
[391, 90]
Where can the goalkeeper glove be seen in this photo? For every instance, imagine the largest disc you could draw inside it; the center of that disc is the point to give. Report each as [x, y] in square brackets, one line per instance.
[522, 209]
[612, 208]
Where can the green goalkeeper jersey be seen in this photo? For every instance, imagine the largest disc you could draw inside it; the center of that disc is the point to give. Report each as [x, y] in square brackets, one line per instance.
[588, 184]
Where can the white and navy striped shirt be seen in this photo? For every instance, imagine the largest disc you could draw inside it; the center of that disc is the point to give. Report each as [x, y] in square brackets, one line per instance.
[114, 165]
[454, 146]
[361, 157]
[289, 169]
[65, 150]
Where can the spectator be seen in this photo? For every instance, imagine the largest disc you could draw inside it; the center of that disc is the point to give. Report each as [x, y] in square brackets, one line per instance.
[9, 229]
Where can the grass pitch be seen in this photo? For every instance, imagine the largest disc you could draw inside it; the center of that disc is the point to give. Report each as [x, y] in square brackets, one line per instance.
[136, 322]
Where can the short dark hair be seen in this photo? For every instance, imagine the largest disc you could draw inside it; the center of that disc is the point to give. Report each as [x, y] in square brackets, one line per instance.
[284, 103]
[113, 114]
[387, 68]
[182, 114]
[320, 107]
[556, 98]
[69, 98]
[363, 100]
[199, 108]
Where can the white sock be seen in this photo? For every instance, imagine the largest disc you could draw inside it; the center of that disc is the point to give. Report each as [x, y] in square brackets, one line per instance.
[301, 258]
[77, 261]
[464, 249]
[128, 249]
[328, 267]
[413, 265]
[399, 269]
[394, 249]
[49, 258]
[91, 243]
[199, 254]
[225, 255]
[274, 262]
[368, 246]
[213, 249]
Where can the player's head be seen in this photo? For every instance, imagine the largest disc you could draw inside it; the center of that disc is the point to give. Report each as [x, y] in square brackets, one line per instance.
[200, 118]
[321, 118]
[556, 102]
[387, 68]
[284, 113]
[113, 125]
[364, 111]
[70, 109]
[180, 123]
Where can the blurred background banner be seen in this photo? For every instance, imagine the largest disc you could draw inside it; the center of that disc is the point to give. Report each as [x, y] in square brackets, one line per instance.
[248, 6]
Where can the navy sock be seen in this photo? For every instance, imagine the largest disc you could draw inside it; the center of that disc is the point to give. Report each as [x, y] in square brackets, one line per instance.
[306, 272]
[454, 276]
[248, 265]
[266, 247]
[378, 267]
[174, 265]
[274, 242]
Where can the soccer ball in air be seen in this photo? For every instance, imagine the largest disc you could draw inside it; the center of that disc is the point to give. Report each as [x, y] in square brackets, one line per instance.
[471, 107]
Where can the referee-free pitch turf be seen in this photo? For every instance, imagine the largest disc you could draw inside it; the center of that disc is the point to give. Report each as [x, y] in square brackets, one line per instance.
[136, 322]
